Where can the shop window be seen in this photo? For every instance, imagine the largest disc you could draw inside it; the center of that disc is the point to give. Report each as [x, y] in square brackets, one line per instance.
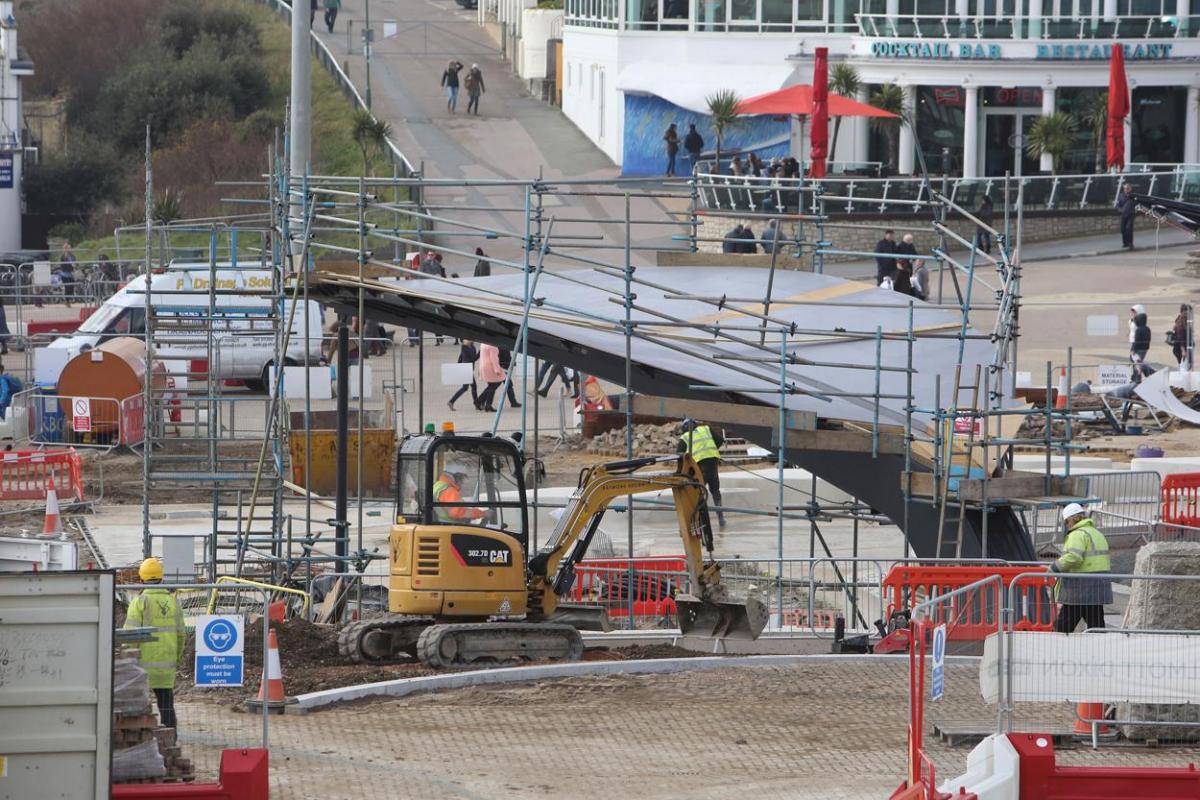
[940, 125]
[1158, 122]
[710, 15]
[743, 11]
[777, 12]
[810, 10]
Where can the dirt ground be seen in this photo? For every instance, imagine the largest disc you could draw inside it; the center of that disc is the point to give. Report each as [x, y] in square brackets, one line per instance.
[310, 661]
[828, 730]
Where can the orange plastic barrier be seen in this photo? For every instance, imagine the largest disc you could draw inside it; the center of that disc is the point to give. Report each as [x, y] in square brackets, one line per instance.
[24, 474]
[655, 582]
[971, 616]
[1181, 499]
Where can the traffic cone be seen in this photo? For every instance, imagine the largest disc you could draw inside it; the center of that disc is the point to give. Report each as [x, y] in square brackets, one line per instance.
[1063, 390]
[270, 688]
[53, 525]
[1084, 714]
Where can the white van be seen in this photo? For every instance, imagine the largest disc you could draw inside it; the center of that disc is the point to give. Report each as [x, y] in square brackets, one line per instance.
[243, 345]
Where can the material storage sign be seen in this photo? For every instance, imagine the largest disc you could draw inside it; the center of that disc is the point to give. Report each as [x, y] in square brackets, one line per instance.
[219, 650]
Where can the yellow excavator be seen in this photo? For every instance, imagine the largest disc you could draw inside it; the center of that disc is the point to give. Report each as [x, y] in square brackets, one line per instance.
[461, 589]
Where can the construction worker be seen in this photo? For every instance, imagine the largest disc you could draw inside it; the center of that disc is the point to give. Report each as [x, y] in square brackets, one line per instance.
[704, 445]
[448, 489]
[157, 609]
[1085, 550]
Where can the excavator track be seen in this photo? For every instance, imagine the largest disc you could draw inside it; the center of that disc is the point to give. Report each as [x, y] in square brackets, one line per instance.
[383, 639]
[467, 644]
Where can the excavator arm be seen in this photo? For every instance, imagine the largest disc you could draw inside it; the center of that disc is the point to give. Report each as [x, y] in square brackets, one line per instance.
[706, 609]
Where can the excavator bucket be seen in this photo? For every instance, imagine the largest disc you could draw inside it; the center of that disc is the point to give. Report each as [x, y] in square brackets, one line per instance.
[721, 619]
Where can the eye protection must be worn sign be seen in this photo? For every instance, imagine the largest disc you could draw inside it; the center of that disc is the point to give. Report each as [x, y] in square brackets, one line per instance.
[220, 645]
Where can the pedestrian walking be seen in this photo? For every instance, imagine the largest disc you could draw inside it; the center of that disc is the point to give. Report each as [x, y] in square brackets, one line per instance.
[66, 272]
[158, 609]
[920, 280]
[506, 365]
[475, 87]
[1178, 338]
[671, 137]
[902, 278]
[906, 252]
[703, 444]
[1139, 344]
[556, 371]
[732, 243]
[312, 12]
[885, 264]
[769, 234]
[749, 245]
[1085, 552]
[450, 81]
[467, 354]
[983, 233]
[693, 142]
[332, 7]
[1126, 206]
[9, 386]
[483, 267]
[491, 373]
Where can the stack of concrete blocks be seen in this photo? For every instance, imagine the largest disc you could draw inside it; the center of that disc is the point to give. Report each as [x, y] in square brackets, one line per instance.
[1170, 605]
[143, 751]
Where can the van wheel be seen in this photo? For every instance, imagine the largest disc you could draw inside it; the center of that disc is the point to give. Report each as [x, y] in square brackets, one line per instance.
[264, 377]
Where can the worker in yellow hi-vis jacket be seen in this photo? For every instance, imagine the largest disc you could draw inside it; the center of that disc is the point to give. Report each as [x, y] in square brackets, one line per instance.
[1084, 553]
[158, 608]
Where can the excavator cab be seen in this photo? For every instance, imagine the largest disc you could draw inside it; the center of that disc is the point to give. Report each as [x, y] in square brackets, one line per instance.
[458, 545]
[462, 480]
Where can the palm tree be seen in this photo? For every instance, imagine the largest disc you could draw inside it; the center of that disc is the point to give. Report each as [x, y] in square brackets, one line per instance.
[723, 111]
[1093, 117]
[843, 80]
[1051, 135]
[890, 98]
[369, 134]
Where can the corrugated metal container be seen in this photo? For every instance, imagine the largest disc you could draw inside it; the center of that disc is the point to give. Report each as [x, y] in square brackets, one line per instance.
[56, 642]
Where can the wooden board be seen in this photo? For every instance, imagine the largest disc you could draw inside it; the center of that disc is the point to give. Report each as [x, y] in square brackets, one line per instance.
[330, 603]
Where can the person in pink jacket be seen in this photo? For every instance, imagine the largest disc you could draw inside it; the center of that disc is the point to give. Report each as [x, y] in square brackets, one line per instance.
[491, 373]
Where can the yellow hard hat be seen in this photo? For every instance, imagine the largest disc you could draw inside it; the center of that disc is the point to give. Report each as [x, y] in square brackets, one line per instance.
[151, 570]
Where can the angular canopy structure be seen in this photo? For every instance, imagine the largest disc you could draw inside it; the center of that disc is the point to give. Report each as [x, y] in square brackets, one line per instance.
[847, 350]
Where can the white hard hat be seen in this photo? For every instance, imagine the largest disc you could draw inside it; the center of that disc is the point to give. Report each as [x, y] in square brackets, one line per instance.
[456, 468]
[1071, 509]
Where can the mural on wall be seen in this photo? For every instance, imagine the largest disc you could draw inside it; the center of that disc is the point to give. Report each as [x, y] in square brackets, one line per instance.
[646, 121]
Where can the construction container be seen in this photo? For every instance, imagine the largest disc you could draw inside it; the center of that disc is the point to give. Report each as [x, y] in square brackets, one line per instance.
[108, 375]
[379, 452]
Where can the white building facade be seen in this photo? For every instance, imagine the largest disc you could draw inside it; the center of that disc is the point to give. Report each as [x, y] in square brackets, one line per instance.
[975, 74]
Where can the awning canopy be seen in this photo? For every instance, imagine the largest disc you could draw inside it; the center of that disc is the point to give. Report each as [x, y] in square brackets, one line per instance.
[798, 100]
[688, 87]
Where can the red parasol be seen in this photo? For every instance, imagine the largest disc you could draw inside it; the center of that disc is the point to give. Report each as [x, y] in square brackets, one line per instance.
[1118, 107]
[820, 114]
[798, 100]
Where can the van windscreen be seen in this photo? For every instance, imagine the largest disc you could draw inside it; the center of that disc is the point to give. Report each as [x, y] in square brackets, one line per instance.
[101, 319]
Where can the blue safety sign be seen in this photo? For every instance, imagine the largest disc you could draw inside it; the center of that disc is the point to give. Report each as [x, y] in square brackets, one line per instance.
[937, 684]
[219, 650]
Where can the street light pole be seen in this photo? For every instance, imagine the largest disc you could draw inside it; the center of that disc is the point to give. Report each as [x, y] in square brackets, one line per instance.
[300, 125]
[368, 38]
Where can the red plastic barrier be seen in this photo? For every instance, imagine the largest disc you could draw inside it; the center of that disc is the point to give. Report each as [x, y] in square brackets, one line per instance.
[655, 581]
[1041, 776]
[24, 474]
[972, 616]
[1181, 499]
[244, 776]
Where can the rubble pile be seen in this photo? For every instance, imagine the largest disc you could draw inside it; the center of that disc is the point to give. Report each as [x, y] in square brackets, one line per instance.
[648, 440]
